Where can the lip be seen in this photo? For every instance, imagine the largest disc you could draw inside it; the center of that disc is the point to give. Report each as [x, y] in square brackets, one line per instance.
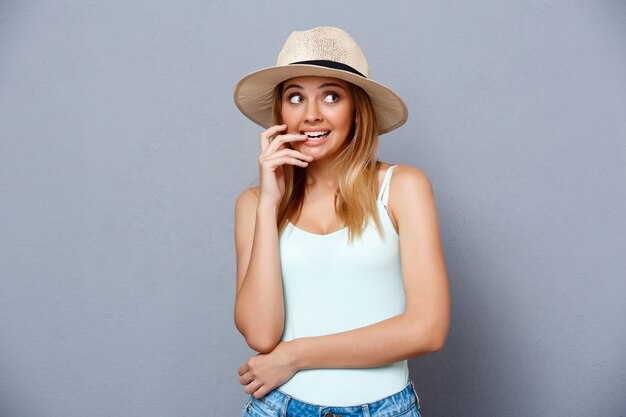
[314, 143]
[320, 141]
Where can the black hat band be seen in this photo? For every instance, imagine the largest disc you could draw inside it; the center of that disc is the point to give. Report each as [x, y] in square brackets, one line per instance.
[330, 64]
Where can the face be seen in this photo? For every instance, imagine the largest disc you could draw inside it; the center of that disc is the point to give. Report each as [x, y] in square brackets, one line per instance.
[321, 108]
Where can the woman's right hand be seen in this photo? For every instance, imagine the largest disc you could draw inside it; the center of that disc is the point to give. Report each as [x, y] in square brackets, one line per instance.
[274, 154]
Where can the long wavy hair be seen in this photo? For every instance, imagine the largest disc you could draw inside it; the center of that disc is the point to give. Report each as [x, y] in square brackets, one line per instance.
[357, 168]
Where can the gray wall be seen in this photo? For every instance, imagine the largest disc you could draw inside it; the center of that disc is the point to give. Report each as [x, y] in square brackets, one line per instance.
[121, 155]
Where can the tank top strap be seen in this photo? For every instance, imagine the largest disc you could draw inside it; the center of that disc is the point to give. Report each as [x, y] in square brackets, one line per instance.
[383, 195]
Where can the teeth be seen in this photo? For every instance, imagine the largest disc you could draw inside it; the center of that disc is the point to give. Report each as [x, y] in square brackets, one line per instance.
[317, 135]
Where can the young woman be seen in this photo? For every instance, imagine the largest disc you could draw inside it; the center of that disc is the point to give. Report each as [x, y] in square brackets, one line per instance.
[340, 272]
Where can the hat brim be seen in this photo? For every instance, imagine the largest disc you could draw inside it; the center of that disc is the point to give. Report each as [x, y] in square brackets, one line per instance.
[253, 93]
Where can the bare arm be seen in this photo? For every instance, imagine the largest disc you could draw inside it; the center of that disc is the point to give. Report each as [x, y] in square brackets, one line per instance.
[423, 327]
[259, 304]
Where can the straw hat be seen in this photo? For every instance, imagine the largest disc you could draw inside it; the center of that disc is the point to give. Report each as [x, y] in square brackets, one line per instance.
[322, 51]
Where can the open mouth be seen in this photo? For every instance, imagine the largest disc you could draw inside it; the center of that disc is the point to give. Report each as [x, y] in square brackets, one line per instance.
[317, 135]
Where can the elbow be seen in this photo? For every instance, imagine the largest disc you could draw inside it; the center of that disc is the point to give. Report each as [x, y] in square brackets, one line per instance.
[438, 336]
[262, 344]
[430, 336]
[437, 343]
[259, 340]
[262, 333]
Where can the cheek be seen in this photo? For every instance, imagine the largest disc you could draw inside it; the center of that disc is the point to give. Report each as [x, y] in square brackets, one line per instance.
[342, 115]
[344, 118]
[290, 118]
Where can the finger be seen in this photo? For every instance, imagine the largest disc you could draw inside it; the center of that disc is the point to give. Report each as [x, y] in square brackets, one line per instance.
[261, 392]
[274, 162]
[243, 368]
[268, 135]
[252, 387]
[291, 152]
[282, 139]
[246, 378]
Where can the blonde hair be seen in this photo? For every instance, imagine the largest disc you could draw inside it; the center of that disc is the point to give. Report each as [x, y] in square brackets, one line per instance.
[357, 168]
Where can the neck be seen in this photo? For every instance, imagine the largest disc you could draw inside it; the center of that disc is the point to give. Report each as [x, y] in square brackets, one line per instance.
[322, 173]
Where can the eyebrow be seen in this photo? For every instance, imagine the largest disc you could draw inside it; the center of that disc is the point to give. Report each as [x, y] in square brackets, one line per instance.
[331, 85]
[326, 85]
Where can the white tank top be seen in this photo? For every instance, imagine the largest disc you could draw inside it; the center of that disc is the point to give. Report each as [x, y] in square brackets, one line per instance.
[330, 286]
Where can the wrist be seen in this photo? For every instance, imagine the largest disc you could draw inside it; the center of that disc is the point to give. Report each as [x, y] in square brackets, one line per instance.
[267, 208]
[297, 352]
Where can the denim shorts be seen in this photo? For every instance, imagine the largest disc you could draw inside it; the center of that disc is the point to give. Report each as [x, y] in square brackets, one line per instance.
[278, 404]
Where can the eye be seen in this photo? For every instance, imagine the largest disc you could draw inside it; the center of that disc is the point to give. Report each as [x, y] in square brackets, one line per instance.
[295, 98]
[331, 98]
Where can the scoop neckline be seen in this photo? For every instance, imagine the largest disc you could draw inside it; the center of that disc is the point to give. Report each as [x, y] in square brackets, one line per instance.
[317, 234]
[378, 201]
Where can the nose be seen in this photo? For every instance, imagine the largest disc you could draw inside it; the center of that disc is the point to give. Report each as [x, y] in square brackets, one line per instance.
[313, 113]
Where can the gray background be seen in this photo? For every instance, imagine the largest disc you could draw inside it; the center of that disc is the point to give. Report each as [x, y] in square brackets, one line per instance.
[122, 154]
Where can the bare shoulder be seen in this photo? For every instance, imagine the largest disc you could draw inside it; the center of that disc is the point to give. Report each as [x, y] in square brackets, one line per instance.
[407, 177]
[245, 211]
[410, 192]
[248, 197]
[405, 174]
[382, 170]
